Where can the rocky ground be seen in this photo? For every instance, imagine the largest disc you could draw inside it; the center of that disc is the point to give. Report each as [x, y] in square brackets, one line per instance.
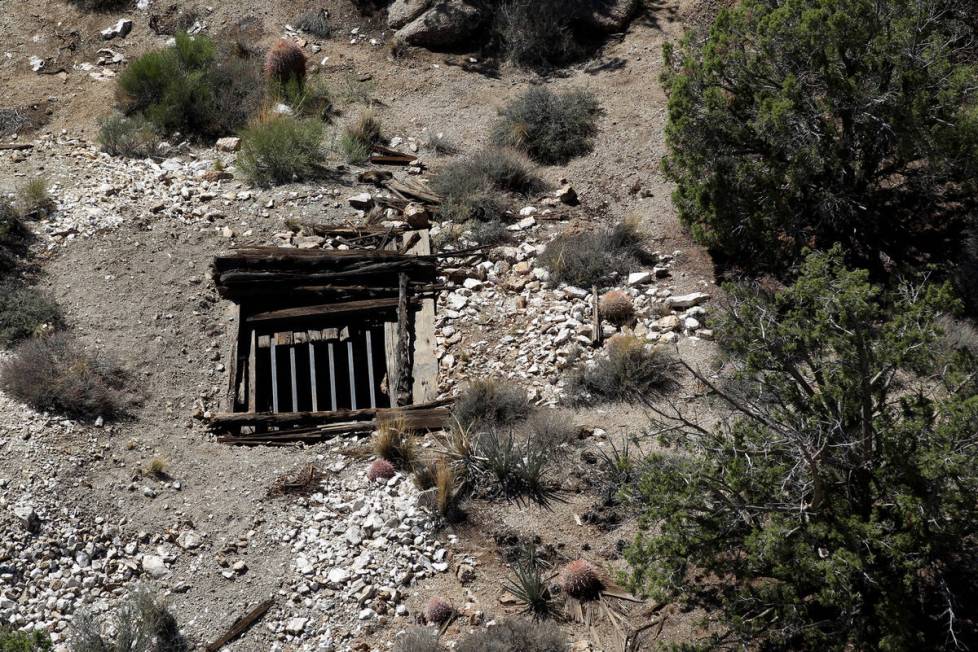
[126, 253]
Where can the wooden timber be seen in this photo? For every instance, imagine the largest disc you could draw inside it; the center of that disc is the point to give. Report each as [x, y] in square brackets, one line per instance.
[424, 365]
[228, 420]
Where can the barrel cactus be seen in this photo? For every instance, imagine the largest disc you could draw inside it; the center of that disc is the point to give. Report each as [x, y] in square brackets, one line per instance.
[380, 470]
[616, 306]
[438, 611]
[286, 63]
[579, 580]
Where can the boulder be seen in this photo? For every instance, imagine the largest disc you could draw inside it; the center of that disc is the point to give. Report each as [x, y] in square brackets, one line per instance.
[447, 23]
[402, 12]
[417, 216]
[121, 29]
[228, 144]
[28, 518]
[610, 16]
[684, 301]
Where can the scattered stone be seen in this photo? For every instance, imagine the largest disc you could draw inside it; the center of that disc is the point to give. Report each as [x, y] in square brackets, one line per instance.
[639, 278]
[228, 144]
[121, 29]
[687, 300]
[28, 518]
[567, 195]
[361, 202]
[155, 566]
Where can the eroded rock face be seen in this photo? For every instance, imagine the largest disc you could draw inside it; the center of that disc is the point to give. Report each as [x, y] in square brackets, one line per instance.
[444, 24]
[402, 12]
[611, 16]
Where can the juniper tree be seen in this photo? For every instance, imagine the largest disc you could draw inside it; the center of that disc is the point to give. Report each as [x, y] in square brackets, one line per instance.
[835, 507]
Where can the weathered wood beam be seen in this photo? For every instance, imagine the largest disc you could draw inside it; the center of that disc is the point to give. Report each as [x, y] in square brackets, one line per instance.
[238, 419]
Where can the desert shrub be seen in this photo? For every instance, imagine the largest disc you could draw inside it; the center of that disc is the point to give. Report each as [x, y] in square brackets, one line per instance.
[285, 64]
[190, 87]
[770, 159]
[418, 640]
[589, 258]
[551, 427]
[360, 136]
[55, 373]
[493, 232]
[157, 467]
[616, 306]
[35, 199]
[141, 623]
[628, 370]
[516, 635]
[538, 33]
[552, 128]
[12, 640]
[101, 5]
[439, 143]
[470, 188]
[315, 99]
[281, 149]
[841, 400]
[491, 403]
[24, 312]
[515, 467]
[395, 443]
[131, 137]
[14, 235]
[356, 90]
[966, 271]
[315, 22]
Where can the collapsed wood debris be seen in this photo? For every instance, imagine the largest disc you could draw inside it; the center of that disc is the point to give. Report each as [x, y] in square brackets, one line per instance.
[330, 341]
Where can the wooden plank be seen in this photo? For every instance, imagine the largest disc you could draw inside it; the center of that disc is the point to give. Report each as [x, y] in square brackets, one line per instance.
[330, 333]
[274, 367]
[264, 341]
[370, 367]
[312, 377]
[241, 625]
[353, 374]
[253, 374]
[403, 371]
[323, 309]
[426, 419]
[424, 362]
[237, 419]
[234, 343]
[596, 334]
[332, 375]
[295, 383]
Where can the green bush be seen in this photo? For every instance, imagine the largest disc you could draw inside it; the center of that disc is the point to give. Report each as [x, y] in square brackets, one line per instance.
[832, 504]
[141, 623]
[589, 258]
[281, 149]
[491, 403]
[54, 373]
[130, 137]
[552, 128]
[19, 641]
[191, 88]
[13, 236]
[24, 313]
[794, 125]
[360, 136]
[630, 370]
[516, 635]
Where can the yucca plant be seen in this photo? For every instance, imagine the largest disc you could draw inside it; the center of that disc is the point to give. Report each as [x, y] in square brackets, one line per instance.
[531, 587]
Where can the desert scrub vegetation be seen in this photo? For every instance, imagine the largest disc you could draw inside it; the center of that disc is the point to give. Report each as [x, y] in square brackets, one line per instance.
[471, 188]
[394, 442]
[281, 149]
[14, 235]
[529, 584]
[628, 370]
[537, 33]
[590, 258]
[141, 623]
[490, 403]
[837, 502]
[25, 312]
[551, 128]
[359, 137]
[101, 5]
[192, 87]
[516, 635]
[128, 136]
[35, 198]
[761, 179]
[418, 640]
[315, 22]
[55, 373]
[13, 640]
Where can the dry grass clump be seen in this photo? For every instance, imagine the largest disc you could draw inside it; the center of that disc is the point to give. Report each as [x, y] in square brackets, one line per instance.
[142, 622]
[552, 428]
[314, 22]
[490, 403]
[590, 258]
[55, 373]
[418, 640]
[360, 136]
[128, 136]
[551, 128]
[447, 493]
[394, 443]
[538, 33]
[35, 199]
[516, 635]
[628, 370]
[616, 306]
[157, 467]
[281, 149]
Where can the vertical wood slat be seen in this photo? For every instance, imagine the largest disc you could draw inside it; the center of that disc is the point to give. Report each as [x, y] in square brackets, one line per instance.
[424, 363]
[312, 376]
[402, 373]
[295, 384]
[370, 367]
[253, 374]
[234, 344]
[274, 367]
[353, 375]
[332, 374]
